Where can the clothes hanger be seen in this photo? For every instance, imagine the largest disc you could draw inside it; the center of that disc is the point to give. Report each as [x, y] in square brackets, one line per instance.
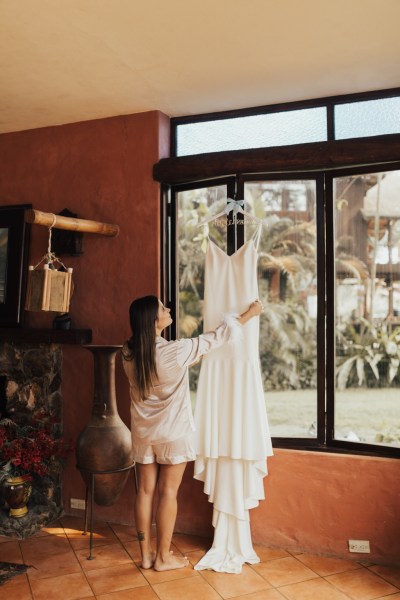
[235, 206]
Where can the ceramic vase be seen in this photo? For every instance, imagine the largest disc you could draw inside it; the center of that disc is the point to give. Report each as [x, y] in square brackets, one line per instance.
[17, 491]
[105, 444]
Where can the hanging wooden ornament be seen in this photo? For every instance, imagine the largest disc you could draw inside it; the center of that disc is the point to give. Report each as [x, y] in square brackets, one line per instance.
[49, 288]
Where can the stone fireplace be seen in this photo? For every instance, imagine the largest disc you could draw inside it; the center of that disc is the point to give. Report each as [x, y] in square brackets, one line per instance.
[30, 380]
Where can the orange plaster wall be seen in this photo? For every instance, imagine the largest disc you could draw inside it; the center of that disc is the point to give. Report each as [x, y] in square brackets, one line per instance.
[102, 170]
[316, 502]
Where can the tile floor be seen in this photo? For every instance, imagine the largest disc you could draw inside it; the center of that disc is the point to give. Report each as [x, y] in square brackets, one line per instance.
[60, 571]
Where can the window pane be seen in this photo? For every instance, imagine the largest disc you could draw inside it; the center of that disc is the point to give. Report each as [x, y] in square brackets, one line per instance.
[371, 117]
[193, 207]
[288, 289]
[258, 131]
[367, 263]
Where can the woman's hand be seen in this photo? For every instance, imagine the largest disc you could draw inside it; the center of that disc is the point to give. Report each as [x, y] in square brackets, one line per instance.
[255, 309]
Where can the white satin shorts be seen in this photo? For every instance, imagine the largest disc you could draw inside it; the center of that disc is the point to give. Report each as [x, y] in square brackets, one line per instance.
[165, 453]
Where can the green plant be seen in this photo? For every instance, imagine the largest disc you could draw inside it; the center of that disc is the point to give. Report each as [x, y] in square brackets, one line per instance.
[369, 355]
[287, 347]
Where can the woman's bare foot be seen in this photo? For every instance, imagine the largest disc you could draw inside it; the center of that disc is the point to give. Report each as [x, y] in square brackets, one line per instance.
[148, 561]
[170, 562]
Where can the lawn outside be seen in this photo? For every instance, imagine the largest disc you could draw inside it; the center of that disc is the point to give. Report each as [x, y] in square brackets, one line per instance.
[366, 415]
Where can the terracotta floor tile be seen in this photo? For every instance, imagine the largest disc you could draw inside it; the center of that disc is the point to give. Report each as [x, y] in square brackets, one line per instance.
[315, 589]
[361, 584]
[15, 580]
[41, 534]
[154, 577]
[73, 526]
[115, 578]
[99, 529]
[17, 588]
[103, 556]
[390, 574]
[79, 541]
[54, 565]
[266, 553]
[188, 543]
[124, 532]
[44, 546]
[53, 529]
[140, 593]
[194, 588]
[72, 522]
[264, 595]
[323, 565]
[10, 552]
[113, 575]
[284, 571]
[195, 556]
[65, 587]
[132, 548]
[229, 585]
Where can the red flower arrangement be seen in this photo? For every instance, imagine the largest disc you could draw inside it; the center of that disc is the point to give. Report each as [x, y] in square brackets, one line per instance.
[33, 448]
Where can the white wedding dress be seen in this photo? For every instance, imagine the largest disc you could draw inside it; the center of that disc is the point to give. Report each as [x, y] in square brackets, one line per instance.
[232, 434]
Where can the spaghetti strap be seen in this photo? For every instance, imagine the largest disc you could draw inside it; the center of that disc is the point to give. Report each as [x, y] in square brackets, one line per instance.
[256, 236]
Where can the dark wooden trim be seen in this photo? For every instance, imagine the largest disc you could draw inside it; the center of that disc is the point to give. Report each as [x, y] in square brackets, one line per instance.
[330, 310]
[315, 156]
[354, 448]
[16, 268]
[45, 336]
[330, 122]
[320, 332]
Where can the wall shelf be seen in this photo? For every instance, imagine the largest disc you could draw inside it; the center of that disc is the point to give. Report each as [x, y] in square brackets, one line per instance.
[45, 336]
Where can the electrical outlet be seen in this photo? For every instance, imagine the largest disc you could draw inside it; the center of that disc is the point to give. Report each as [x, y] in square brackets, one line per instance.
[77, 503]
[361, 546]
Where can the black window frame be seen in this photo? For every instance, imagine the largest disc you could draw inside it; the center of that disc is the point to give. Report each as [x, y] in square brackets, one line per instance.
[326, 160]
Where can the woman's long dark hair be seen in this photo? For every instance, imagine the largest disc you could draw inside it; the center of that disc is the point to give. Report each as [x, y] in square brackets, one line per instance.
[143, 314]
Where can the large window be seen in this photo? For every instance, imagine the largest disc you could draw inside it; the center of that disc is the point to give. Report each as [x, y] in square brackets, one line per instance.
[328, 268]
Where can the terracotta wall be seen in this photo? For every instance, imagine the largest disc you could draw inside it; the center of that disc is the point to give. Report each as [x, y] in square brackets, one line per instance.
[315, 502]
[101, 169]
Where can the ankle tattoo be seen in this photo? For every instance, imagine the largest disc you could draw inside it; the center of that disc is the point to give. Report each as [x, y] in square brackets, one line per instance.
[140, 535]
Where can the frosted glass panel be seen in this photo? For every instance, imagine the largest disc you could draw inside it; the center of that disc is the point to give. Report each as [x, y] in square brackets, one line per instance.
[258, 131]
[362, 119]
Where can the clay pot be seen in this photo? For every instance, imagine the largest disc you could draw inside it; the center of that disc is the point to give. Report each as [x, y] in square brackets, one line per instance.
[17, 491]
[105, 444]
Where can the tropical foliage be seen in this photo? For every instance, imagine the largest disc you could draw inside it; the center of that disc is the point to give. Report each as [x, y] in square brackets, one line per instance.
[287, 335]
[369, 355]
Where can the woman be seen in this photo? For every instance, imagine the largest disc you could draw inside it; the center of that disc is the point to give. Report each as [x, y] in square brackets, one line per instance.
[161, 416]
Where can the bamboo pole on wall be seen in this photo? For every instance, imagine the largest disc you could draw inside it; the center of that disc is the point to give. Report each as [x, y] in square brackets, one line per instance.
[39, 217]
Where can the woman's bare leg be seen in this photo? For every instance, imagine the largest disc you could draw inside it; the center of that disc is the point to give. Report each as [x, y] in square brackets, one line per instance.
[147, 480]
[168, 484]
